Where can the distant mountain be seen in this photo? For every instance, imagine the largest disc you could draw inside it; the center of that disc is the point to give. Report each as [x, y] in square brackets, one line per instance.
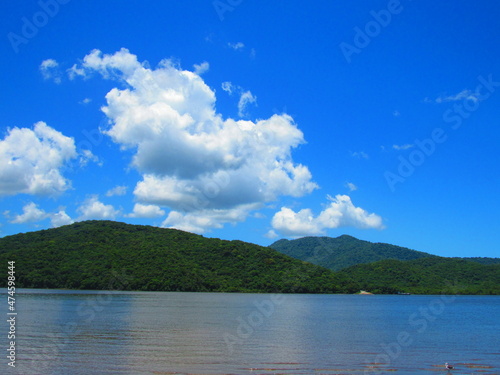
[430, 275]
[342, 252]
[346, 251]
[111, 255]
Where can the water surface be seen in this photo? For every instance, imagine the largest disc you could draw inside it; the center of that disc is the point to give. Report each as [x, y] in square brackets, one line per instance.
[88, 332]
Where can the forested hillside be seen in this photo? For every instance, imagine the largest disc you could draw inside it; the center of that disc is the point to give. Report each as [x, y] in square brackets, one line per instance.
[90, 255]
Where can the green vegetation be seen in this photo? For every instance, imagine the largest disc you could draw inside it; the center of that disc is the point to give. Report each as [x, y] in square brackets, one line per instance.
[346, 251]
[342, 252]
[111, 255]
[432, 275]
[90, 255]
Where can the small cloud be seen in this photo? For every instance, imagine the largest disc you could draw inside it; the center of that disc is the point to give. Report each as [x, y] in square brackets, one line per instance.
[117, 191]
[245, 99]
[75, 71]
[359, 155]
[462, 95]
[86, 101]
[227, 87]
[92, 208]
[396, 113]
[201, 68]
[147, 211]
[87, 156]
[60, 218]
[271, 235]
[236, 46]
[31, 214]
[402, 147]
[50, 70]
[351, 186]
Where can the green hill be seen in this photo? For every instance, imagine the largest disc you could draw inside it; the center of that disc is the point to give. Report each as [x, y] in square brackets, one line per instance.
[93, 254]
[342, 252]
[431, 275]
[346, 251]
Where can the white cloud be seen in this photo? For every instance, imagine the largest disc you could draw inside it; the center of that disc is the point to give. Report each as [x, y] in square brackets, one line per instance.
[236, 46]
[271, 235]
[149, 211]
[205, 220]
[462, 95]
[201, 68]
[93, 209]
[86, 101]
[193, 160]
[50, 70]
[75, 71]
[339, 213]
[87, 156]
[31, 214]
[351, 186]
[402, 147]
[31, 161]
[245, 99]
[117, 190]
[227, 87]
[60, 218]
[396, 113]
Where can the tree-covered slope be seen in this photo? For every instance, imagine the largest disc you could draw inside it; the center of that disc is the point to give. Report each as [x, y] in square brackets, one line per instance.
[433, 275]
[93, 254]
[342, 252]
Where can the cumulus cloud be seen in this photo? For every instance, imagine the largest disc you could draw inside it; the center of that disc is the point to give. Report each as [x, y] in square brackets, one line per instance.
[208, 169]
[148, 211]
[93, 209]
[339, 213]
[60, 218]
[50, 70]
[31, 161]
[31, 214]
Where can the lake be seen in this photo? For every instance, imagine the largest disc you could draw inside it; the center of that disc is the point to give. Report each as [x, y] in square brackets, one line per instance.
[89, 332]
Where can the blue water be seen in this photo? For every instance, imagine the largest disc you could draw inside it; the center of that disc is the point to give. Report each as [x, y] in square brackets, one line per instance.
[68, 332]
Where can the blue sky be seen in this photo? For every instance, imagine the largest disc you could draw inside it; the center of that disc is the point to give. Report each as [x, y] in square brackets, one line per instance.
[243, 120]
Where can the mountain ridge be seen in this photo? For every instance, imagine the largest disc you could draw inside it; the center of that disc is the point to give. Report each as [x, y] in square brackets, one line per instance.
[337, 253]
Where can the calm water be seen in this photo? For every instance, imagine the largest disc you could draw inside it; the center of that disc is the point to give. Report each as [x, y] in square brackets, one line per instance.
[73, 333]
